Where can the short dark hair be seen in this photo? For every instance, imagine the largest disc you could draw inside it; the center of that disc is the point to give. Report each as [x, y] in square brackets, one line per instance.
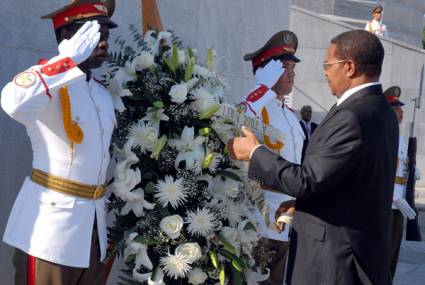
[306, 108]
[362, 47]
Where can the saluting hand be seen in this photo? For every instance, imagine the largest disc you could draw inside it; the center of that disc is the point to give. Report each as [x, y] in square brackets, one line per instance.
[81, 45]
[269, 74]
[241, 148]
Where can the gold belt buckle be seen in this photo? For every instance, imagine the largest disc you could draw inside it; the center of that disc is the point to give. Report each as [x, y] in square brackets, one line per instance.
[98, 192]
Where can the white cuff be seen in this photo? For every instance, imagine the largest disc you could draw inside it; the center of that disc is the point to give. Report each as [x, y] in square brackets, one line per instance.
[252, 151]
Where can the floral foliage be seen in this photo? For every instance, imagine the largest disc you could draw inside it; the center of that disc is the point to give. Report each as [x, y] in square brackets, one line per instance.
[184, 211]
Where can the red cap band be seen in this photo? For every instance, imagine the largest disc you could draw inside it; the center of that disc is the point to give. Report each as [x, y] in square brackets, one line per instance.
[273, 52]
[392, 99]
[79, 12]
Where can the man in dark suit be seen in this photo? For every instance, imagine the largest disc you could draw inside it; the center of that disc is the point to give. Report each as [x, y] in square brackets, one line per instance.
[307, 125]
[345, 185]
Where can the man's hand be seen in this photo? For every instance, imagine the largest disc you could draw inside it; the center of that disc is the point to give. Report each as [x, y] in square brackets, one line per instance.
[284, 214]
[83, 42]
[241, 148]
[269, 74]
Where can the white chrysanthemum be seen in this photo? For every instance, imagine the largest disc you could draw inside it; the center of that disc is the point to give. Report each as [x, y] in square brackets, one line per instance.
[197, 276]
[144, 136]
[233, 214]
[170, 191]
[175, 266]
[203, 99]
[201, 222]
[213, 162]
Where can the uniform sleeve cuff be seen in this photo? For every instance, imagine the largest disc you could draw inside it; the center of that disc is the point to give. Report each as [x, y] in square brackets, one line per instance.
[252, 151]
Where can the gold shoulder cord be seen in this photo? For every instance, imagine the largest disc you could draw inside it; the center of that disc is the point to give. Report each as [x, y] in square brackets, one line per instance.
[72, 129]
[268, 142]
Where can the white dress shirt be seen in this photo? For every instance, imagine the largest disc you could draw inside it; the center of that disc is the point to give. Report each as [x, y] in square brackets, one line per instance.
[351, 91]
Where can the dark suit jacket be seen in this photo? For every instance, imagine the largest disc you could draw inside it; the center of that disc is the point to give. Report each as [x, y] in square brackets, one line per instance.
[344, 191]
[313, 127]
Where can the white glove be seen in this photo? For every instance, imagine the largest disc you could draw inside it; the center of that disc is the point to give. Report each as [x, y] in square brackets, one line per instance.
[405, 209]
[82, 43]
[269, 74]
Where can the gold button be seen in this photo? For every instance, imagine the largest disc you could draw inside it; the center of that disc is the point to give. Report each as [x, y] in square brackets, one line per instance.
[49, 69]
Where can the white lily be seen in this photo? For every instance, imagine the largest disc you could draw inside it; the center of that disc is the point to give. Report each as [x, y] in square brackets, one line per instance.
[117, 87]
[162, 38]
[190, 149]
[137, 205]
[253, 277]
[155, 116]
[142, 258]
[125, 179]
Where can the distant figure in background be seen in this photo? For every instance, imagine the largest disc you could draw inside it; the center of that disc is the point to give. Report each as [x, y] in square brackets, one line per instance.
[307, 125]
[400, 207]
[375, 25]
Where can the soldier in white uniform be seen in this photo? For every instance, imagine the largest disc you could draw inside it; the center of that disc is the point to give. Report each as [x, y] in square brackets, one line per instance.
[375, 25]
[273, 66]
[57, 223]
[400, 207]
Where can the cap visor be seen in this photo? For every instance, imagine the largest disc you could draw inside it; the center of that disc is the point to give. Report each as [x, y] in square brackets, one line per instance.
[397, 104]
[101, 20]
[291, 57]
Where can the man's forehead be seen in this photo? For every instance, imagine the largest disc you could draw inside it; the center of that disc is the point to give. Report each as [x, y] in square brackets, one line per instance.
[288, 62]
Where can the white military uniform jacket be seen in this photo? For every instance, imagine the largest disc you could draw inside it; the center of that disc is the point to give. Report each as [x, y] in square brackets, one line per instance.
[377, 28]
[283, 119]
[400, 189]
[45, 223]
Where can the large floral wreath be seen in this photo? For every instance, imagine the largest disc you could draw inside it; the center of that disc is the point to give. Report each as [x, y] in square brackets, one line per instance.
[184, 211]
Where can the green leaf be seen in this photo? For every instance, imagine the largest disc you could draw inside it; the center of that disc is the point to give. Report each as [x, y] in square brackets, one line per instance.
[158, 104]
[149, 188]
[210, 59]
[229, 174]
[222, 276]
[226, 245]
[143, 240]
[249, 226]
[159, 146]
[191, 54]
[209, 112]
[236, 261]
[189, 70]
[213, 256]
[175, 58]
[237, 277]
